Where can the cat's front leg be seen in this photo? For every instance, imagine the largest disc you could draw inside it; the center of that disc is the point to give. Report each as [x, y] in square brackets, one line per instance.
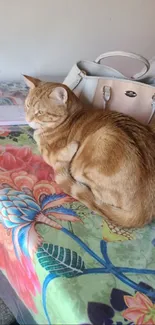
[66, 154]
[43, 147]
[70, 186]
[77, 190]
[66, 182]
[63, 177]
[63, 155]
[62, 167]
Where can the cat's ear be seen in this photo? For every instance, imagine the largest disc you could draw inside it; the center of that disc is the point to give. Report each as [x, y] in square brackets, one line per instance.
[59, 94]
[31, 82]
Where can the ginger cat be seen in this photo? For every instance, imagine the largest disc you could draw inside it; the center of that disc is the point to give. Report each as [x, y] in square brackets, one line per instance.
[104, 159]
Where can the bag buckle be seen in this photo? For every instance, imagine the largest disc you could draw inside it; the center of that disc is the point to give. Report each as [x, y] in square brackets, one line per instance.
[106, 95]
[153, 102]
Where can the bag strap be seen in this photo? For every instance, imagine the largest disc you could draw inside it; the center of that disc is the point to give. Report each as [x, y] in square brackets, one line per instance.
[129, 55]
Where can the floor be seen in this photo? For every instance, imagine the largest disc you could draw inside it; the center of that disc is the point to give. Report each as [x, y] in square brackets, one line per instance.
[6, 317]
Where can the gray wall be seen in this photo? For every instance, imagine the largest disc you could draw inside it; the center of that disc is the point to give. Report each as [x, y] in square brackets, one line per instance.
[46, 37]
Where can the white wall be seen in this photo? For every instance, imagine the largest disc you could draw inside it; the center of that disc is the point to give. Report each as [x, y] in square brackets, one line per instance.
[46, 37]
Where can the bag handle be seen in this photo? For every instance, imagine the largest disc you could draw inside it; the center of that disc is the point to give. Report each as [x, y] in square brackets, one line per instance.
[128, 55]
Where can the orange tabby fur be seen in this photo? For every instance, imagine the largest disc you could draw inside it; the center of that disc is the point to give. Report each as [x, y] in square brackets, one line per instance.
[104, 159]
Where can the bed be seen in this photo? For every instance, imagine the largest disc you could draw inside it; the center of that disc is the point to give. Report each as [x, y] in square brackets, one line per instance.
[61, 263]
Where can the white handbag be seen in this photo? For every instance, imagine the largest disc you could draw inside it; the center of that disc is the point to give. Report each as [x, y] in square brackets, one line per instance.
[105, 87]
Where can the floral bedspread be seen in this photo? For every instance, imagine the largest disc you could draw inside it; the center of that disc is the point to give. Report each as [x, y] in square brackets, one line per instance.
[67, 265]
